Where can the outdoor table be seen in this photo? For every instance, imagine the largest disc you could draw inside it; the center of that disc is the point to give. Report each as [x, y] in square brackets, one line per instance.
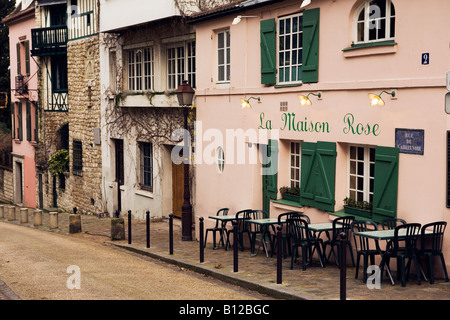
[264, 223]
[385, 235]
[224, 219]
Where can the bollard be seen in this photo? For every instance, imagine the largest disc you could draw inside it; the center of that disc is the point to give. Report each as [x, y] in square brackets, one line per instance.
[2, 211]
[202, 252]
[148, 228]
[24, 215]
[17, 214]
[343, 264]
[117, 229]
[11, 213]
[129, 226]
[171, 233]
[37, 218]
[279, 255]
[235, 246]
[53, 220]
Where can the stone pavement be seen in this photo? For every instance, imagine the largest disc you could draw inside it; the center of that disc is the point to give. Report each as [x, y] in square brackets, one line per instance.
[254, 272]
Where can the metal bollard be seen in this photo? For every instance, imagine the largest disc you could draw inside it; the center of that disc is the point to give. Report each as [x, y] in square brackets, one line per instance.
[171, 233]
[343, 265]
[148, 228]
[129, 226]
[235, 246]
[279, 255]
[202, 252]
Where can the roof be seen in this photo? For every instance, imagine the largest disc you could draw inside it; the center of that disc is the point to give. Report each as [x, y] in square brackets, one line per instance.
[18, 13]
[235, 6]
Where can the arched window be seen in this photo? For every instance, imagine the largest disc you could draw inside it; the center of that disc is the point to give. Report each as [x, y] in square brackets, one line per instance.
[375, 21]
[220, 159]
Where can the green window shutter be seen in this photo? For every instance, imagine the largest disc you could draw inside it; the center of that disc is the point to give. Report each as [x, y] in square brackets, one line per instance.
[28, 121]
[270, 174]
[27, 57]
[36, 120]
[385, 182]
[310, 46]
[19, 65]
[268, 51]
[307, 180]
[13, 120]
[19, 120]
[318, 175]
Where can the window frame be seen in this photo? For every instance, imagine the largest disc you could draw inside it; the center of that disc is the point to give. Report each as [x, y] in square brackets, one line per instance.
[226, 56]
[367, 174]
[188, 69]
[77, 155]
[367, 20]
[143, 185]
[299, 48]
[220, 159]
[295, 183]
[142, 77]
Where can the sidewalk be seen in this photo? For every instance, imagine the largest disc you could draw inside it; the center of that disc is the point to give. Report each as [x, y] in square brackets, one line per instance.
[254, 272]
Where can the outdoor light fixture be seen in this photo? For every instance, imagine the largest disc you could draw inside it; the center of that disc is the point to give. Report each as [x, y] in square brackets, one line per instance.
[304, 101]
[246, 103]
[375, 100]
[239, 18]
[305, 3]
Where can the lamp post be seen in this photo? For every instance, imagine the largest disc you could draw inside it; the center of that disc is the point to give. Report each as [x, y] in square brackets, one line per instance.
[185, 95]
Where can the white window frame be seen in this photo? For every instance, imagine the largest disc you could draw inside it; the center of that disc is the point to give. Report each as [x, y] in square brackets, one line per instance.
[293, 182]
[140, 75]
[226, 52]
[367, 194]
[143, 186]
[298, 51]
[181, 64]
[370, 21]
[220, 159]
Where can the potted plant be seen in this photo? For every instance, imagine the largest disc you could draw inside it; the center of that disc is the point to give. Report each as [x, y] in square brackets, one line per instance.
[359, 208]
[290, 193]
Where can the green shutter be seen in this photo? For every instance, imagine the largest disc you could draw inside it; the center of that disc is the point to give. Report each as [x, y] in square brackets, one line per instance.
[385, 182]
[268, 51]
[13, 120]
[318, 175]
[36, 122]
[19, 120]
[27, 57]
[19, 65]
[28, 121]
[270, 174]
[310, 46]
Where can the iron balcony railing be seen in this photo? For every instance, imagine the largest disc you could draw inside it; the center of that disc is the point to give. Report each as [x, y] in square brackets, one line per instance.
[49, 41]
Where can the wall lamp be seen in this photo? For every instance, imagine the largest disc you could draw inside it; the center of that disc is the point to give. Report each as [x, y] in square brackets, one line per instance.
[246, 103]
[305, 3]
[239, 18]
[375, 100]
[304, 100]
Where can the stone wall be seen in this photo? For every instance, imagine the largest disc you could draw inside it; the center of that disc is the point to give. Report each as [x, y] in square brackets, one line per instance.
[83, 59]
[6, 185]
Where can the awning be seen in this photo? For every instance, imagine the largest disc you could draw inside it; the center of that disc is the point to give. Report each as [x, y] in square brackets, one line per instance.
[50, 2]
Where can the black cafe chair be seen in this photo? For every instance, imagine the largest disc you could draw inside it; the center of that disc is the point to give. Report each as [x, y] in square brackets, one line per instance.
[285, 234]
[340, 225]
[219, 227]
[363, 247]
[256, 230]
[242, 228]
[391, 223]
[304, 239]
[431, 246]
[408, 251]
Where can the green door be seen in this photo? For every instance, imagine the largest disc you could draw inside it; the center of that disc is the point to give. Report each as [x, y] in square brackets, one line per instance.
[269, 173]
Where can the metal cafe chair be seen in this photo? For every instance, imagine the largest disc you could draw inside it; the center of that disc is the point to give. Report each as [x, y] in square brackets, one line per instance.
[409, 235]
[362, 246]
[255, 230]
[431, 246]
[242, 228]
[302, 237]
[341, 224]
[219, 227]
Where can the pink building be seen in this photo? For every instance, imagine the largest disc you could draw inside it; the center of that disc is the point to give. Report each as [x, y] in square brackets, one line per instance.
[342, 143]
[24, 99]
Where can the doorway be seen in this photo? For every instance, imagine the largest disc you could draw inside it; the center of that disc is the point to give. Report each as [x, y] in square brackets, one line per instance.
[177, 188]
[18, 185]
[120, 176]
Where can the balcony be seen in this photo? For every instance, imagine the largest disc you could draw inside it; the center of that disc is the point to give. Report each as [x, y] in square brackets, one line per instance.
[21, 86]
[49, 41]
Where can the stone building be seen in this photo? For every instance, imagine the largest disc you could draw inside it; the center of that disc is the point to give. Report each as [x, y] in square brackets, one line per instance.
[66, 45]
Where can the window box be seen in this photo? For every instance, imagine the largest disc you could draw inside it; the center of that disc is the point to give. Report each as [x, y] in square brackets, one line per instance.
[290, 197]
[358, 212]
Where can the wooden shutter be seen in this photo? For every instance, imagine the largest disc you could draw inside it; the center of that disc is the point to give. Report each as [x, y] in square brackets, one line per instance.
[19, 122]
[27, 57]
[318, 175]
[19, 65]
[268, 51]
[385, 182]
[310, 46]
[28, 120]
[13, 120]
[270, 174]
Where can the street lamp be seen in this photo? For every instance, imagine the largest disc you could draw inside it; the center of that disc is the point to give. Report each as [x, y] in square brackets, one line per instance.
[185, 95]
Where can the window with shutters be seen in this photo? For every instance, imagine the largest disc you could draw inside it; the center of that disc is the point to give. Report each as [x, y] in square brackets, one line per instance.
[295, 156]
[375, 21]
[290, 49]
[361, 173]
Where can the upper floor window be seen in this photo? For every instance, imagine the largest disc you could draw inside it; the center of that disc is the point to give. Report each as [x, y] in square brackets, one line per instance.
[375, 21]
[140, 69]
[223, 56]
[290, 48]
[181, 64]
